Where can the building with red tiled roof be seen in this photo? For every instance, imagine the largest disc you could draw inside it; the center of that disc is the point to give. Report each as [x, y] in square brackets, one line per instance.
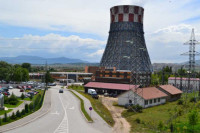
[172, 92]
[108, 87]
[145, 97]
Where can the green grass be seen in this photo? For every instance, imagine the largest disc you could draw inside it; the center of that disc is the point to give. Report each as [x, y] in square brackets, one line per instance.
[150, 117]
[3, 111]
[97, 105]
[100, 109]
[13, 106]
[83, 108]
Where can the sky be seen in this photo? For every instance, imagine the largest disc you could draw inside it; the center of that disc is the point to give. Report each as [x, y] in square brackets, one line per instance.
[79, 29]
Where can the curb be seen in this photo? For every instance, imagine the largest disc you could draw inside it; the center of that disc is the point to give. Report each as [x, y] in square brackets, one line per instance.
[28, 121]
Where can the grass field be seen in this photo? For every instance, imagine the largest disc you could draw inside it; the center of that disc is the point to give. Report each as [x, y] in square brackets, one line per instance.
[97, 106]
[148, 121]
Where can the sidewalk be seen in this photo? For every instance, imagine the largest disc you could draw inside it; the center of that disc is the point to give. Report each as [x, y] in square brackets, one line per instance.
[20, 108]
[98, 123]
[42, 111]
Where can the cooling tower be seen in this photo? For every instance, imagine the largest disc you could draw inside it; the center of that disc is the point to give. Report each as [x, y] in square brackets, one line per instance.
[126, 48]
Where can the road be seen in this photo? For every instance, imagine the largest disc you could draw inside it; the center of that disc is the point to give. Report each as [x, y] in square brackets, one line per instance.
[64, 117]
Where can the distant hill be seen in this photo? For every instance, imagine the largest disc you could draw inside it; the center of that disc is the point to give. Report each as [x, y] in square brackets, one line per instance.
[40, 60]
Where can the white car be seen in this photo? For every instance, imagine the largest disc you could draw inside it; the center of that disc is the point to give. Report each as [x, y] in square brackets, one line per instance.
[10, 87]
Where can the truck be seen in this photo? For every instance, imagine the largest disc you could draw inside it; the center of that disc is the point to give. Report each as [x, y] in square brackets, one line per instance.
[91, 91]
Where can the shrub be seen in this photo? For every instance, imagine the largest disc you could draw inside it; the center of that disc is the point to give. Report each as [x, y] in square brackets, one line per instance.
[22, 96]
[13, 100]
[13, 116]
[5, 119]
[160, 125]
[136, 108]
[193, 99]
[18, 114]
[193, 117]
[5, 100]
[138, 120]
[26, 108]
[31, 97]
[0, 121]
[180, 102]
[31, 106]
[23, 112]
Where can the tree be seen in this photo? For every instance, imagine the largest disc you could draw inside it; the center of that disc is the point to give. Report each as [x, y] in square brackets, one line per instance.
[27, 66]
[48, 78]
[5, 119]
[31, 106]
[22, 96]
[13, 99]
[13, 116]
[26, 108]
[18, 114]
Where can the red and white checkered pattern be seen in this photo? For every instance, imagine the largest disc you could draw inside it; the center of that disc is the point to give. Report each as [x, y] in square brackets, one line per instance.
[127, 13]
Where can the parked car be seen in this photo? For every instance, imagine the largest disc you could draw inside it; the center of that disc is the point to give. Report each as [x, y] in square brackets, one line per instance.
[61, 91]
[6, 93]
[91, 91]
[106, 94]
[95, 96]
[112, 95]
[10, 87]
[31, 93]
[19, 87]
[24, 87]
[52, 84]
[21, 90]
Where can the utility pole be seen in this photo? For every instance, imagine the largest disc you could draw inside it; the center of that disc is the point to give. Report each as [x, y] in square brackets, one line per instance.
[163, 76]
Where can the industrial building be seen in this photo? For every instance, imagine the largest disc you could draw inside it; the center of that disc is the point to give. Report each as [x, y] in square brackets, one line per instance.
[182, 83]
[64, 76]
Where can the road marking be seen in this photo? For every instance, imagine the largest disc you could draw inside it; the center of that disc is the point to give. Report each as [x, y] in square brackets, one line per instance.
[72, 108]
[56, 113]
[63, 127]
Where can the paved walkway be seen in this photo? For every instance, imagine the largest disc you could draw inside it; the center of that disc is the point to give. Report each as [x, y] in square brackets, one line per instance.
[98, 121]
[42, 111]
[20, 108]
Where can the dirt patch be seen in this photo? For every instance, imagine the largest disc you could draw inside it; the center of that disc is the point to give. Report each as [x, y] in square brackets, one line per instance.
[121, 125]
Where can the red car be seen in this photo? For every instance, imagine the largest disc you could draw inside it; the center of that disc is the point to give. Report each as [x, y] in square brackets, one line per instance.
[21, 90]
[24, 87]
[6, 93]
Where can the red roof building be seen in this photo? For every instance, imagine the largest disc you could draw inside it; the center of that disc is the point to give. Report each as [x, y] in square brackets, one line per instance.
[172, 92]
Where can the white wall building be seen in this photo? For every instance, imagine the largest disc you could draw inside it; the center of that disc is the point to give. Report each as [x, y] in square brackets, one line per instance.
[176, 81]
[145, 97]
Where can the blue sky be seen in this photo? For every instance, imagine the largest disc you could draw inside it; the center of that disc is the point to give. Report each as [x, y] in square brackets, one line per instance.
[69, 29]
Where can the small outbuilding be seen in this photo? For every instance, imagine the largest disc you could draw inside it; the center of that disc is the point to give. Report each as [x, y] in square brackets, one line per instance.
[145, 97]
[172, 92]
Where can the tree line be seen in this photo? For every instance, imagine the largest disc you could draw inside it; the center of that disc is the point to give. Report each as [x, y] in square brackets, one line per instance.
[17, 73]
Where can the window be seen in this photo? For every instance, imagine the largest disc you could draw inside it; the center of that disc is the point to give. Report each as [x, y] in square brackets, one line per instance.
[154, 100]
[146, 102]
[150, 101]
[130, 101]
[158, 99]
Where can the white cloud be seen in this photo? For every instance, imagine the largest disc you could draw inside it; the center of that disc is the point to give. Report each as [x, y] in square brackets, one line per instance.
[167, 25]
[52, 45]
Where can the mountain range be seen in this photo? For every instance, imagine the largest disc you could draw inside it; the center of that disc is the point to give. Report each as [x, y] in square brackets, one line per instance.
[40, 60]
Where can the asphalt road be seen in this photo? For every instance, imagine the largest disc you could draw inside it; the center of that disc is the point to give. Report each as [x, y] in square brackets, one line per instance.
[64, 117]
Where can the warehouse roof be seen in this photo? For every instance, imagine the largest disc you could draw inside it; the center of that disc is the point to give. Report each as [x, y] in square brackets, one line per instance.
[113, 86]
[171, 89]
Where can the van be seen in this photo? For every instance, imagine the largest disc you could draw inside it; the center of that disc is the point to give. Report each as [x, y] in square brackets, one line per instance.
[91, 91]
